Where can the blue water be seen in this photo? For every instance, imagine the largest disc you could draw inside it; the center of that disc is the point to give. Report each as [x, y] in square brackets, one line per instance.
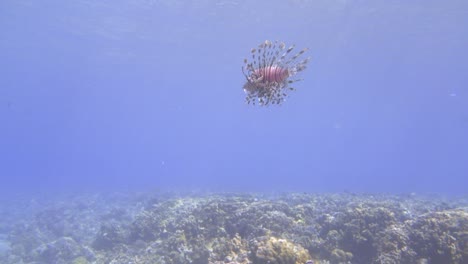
[147, 95]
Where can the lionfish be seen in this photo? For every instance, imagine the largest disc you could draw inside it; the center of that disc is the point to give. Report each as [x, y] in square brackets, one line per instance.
[270, 73]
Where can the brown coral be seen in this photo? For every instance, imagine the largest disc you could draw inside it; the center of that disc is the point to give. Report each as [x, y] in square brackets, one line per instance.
[274, 250]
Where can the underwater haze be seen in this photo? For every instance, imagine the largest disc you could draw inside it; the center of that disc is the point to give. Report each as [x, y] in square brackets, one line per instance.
[148, 95]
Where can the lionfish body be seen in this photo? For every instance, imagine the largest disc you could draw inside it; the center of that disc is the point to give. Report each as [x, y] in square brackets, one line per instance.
[270, 73]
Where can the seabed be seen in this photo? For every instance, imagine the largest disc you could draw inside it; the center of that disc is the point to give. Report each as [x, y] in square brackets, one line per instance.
[231, 228]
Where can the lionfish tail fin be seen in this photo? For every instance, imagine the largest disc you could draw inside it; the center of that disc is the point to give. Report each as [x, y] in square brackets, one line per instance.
[298, 67]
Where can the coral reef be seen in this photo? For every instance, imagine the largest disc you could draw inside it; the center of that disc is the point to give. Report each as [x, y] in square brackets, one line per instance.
[272, 250]
[237, 229]
[441, 237]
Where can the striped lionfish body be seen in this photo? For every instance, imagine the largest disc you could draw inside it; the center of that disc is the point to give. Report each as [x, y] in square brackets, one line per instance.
[270, 73]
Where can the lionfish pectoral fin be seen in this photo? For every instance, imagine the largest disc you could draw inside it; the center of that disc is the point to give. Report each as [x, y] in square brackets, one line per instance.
[243, 72]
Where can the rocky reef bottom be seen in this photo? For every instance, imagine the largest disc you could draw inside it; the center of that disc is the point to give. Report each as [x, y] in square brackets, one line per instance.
[291, 228]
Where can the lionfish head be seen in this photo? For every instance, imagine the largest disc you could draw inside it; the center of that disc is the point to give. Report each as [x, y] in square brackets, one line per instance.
[249, 87]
